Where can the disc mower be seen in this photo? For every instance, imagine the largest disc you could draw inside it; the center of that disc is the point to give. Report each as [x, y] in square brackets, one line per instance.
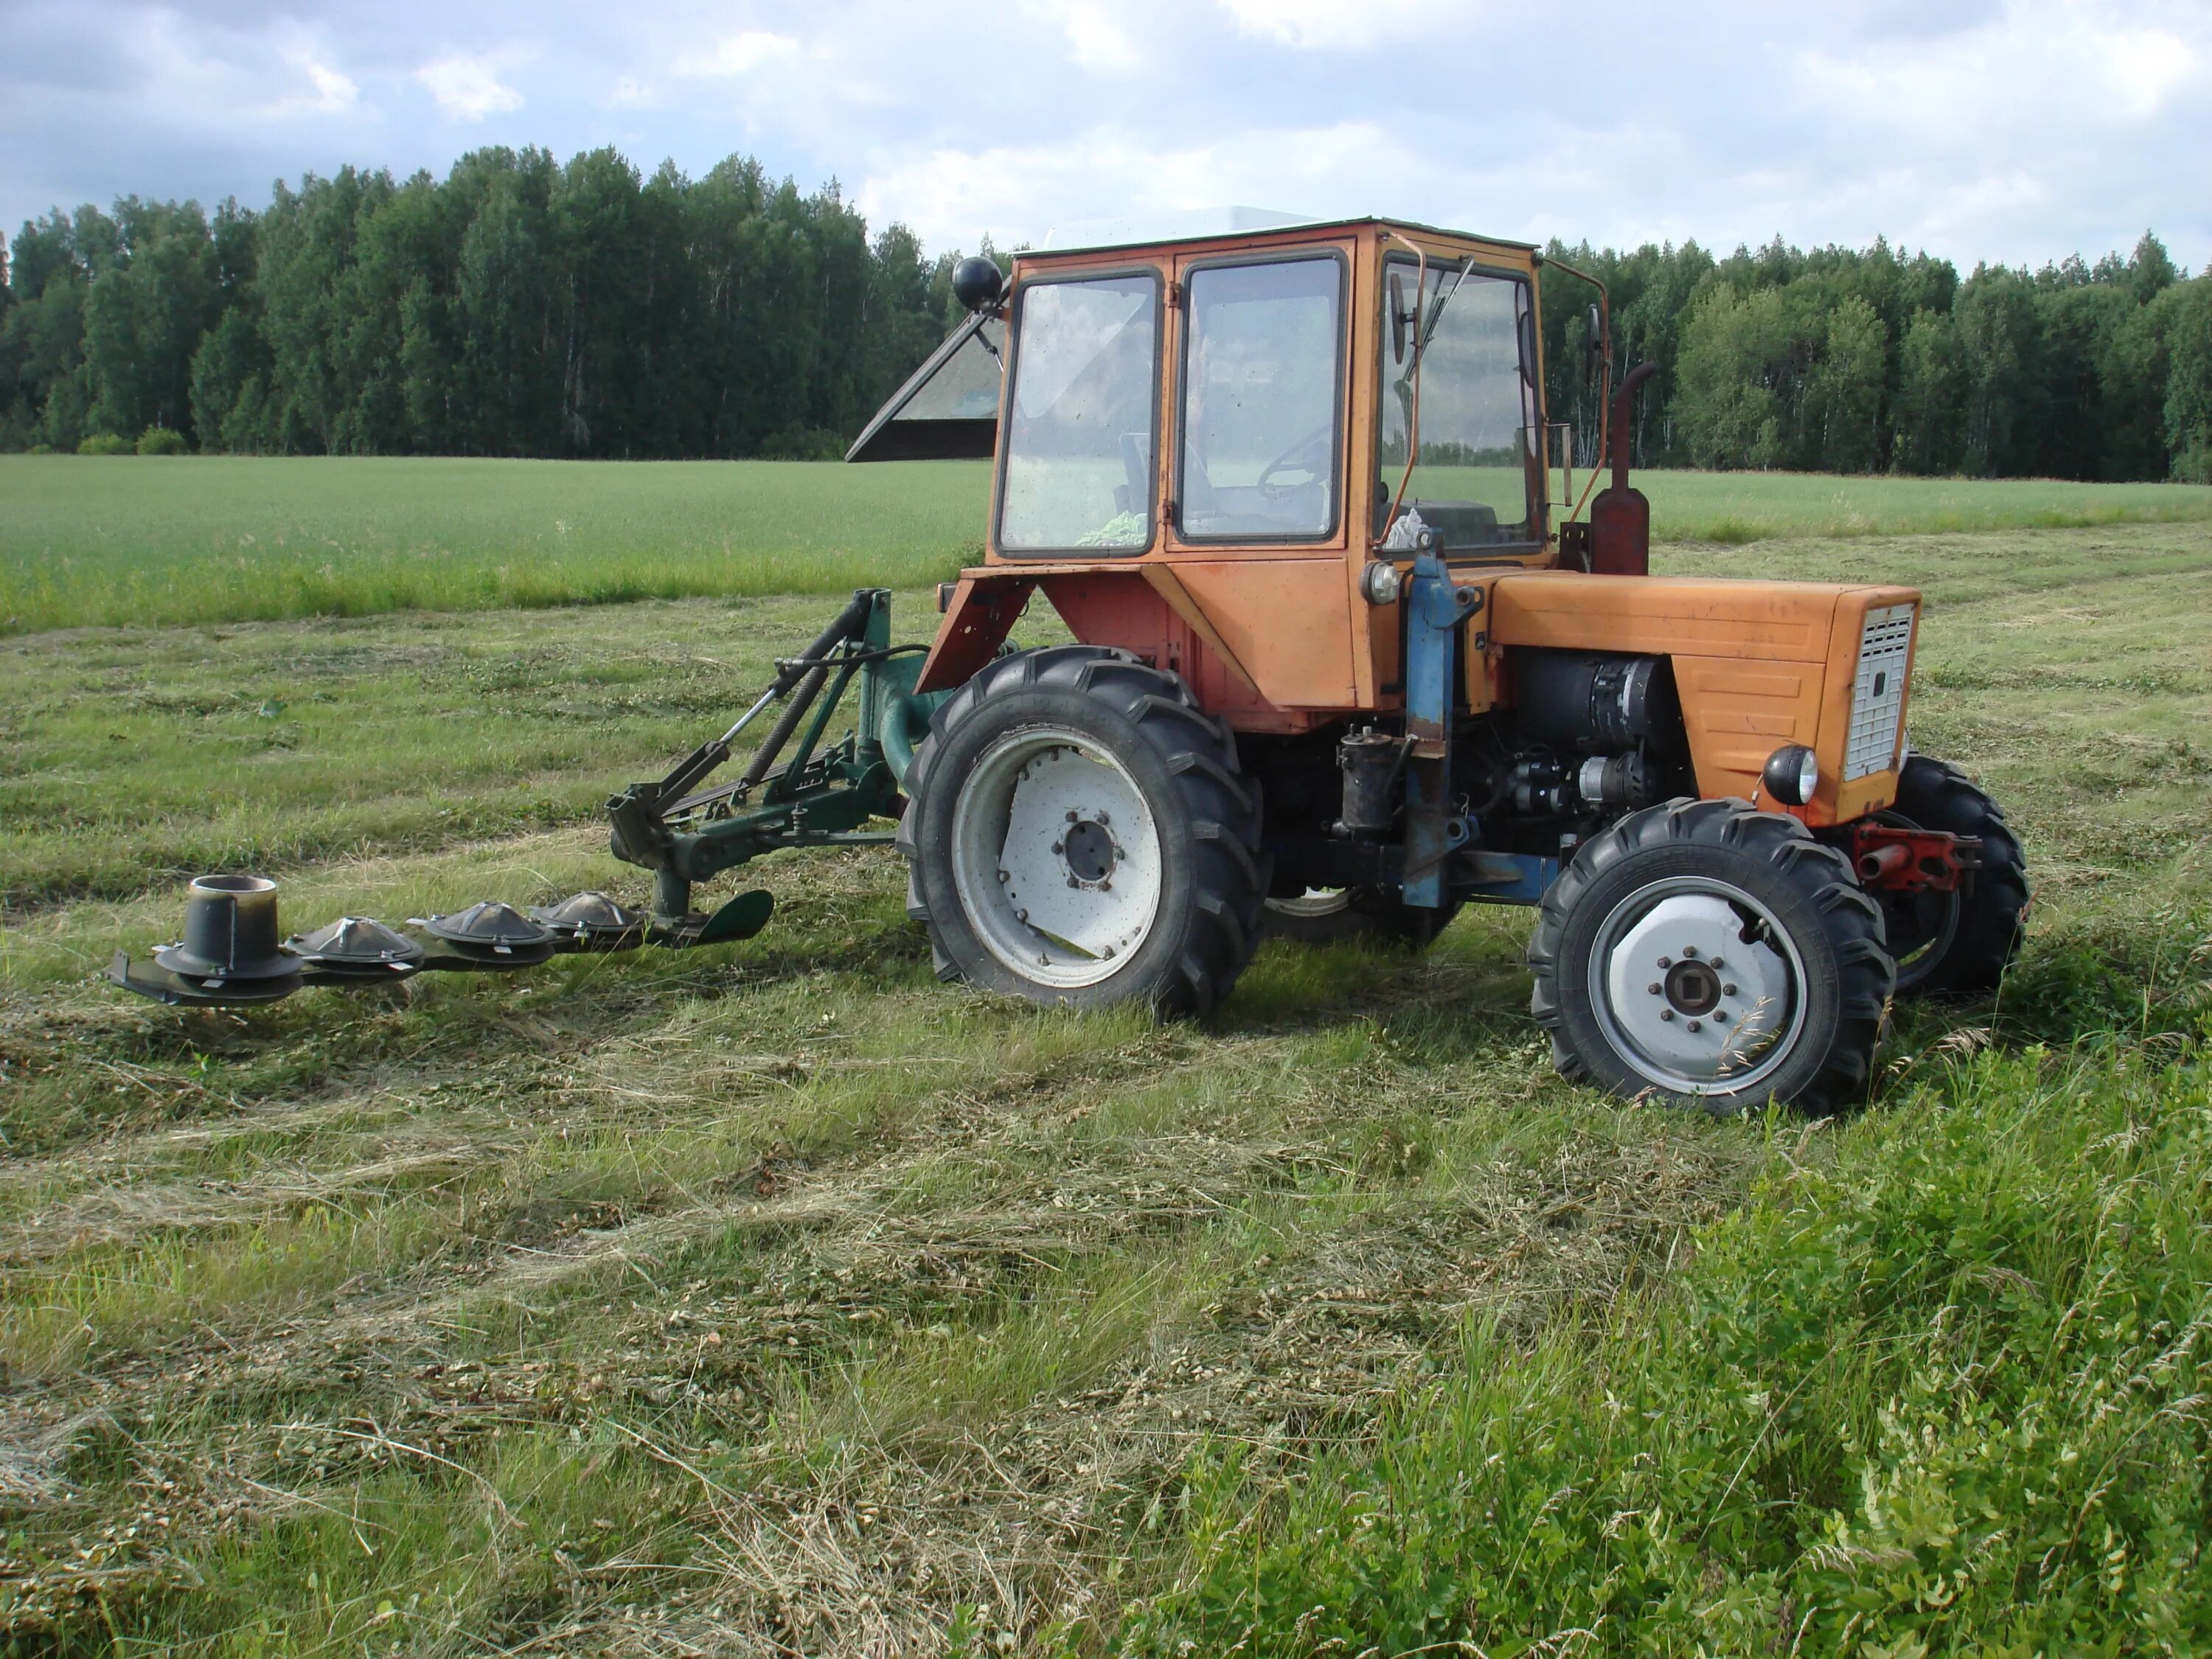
[1346, 660]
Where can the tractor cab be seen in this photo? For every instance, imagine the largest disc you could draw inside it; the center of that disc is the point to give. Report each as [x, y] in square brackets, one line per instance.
[1246, 391]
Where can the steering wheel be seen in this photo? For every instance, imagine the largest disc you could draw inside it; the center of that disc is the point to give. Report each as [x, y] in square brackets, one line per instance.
[1309, 455]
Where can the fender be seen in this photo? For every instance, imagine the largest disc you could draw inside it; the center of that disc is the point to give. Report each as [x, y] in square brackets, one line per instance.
[986, 604]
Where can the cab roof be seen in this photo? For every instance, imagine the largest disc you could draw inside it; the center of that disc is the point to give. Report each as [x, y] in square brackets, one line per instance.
[1226, 224]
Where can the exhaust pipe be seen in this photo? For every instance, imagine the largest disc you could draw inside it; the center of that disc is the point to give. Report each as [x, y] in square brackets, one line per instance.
[1620, 517]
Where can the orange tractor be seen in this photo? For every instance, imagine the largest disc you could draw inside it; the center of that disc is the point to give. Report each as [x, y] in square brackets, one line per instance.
[1347, 663]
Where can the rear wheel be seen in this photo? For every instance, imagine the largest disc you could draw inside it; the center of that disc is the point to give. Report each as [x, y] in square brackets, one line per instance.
[1079, 834]
[1711, 954]
[1956, 944]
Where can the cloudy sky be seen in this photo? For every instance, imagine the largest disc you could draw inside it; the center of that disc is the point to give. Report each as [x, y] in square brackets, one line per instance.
[2008, 130]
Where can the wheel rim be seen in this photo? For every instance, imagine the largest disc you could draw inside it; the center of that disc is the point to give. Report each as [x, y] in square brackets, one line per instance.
[1056, 857]
[1314, 903]
[1698, 985]
[1919, 928]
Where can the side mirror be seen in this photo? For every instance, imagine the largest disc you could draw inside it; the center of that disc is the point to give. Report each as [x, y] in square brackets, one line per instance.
[1593, 346]
[1397, 318]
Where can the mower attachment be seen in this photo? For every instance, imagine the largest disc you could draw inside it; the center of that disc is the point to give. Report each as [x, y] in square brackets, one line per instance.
[816, 797]
[682, 831]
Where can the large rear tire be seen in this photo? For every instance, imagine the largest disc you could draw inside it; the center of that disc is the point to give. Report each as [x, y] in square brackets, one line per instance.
[1710, 954]
[1957, 944]
[1079, 834]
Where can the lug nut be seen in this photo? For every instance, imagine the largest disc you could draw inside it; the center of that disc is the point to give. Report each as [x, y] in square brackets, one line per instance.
[1058, 845]
[1689, 952]
[1103, 818]
[1074, 882]
[1697, 1025]
[1072, 818]
[1653, 988]
[1728, 990]
[1666, 1013]
[1717, 964]
[1666, 961]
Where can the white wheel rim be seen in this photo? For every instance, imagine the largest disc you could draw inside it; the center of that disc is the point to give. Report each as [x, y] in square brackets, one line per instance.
[1313, 903]
[1055, 857]
[1698, 985]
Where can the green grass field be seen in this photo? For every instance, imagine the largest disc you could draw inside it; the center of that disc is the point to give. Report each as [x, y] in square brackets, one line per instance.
[119, 541]
[776, 1299]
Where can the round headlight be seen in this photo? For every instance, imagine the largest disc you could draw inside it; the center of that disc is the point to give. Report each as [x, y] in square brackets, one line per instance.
[1380, 583]
[1792, 774]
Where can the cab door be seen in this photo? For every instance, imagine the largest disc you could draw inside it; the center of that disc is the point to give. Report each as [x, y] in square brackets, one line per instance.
[1257, 438]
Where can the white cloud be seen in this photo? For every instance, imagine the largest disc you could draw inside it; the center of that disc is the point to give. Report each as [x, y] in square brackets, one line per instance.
[1312, 24]
[739, 54]
[328, 91]
[1095, 38]
[951, 196]
[333, 91]
[630, 92]
[466, 88]
[2144, 67]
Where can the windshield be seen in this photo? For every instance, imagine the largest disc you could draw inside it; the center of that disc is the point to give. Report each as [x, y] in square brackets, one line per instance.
[1472, 480]
[1261, 391]
[1078, 467]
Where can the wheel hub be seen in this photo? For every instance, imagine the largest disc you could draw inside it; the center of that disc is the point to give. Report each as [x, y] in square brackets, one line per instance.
[1692, 988]
[1089, 850]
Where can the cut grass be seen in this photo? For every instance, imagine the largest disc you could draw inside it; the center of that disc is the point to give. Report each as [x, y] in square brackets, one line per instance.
[775, 1298]
[114, 542]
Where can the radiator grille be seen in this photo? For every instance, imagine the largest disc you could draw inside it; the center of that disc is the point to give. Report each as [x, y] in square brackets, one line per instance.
[1878, 693]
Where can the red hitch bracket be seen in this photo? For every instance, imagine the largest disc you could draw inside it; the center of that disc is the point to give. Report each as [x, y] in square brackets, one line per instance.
[1895, 859]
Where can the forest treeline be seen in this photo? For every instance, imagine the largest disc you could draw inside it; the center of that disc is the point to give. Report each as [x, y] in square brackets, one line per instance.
[519, 307]
[1839, 360]
[516, 307]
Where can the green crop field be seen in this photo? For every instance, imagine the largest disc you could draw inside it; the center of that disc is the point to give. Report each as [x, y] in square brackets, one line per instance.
[119, 541]
[775, 1298]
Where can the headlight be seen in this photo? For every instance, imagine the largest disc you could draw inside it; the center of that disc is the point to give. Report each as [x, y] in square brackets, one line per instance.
[1380, 583]
[1793, 773]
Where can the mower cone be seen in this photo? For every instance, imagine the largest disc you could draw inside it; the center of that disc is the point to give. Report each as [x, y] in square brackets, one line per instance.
[356, 948]
[590, 921]
[488, 935]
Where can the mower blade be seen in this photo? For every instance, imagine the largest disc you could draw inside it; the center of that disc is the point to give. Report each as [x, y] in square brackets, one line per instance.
[741, 918]
[162, 986]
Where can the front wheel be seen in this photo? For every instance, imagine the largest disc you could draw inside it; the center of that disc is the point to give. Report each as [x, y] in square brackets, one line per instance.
[1708, 953]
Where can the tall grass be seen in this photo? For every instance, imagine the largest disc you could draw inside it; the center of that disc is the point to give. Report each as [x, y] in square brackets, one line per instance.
[115, 541]
[1941, 1387]
[86, 541]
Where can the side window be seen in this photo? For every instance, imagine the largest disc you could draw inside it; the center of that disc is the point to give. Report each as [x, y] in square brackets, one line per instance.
[1260, 400]
[1472, 480]
[1078, 469]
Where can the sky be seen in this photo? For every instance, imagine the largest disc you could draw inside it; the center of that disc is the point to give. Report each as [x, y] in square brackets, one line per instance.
[2008, 131]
